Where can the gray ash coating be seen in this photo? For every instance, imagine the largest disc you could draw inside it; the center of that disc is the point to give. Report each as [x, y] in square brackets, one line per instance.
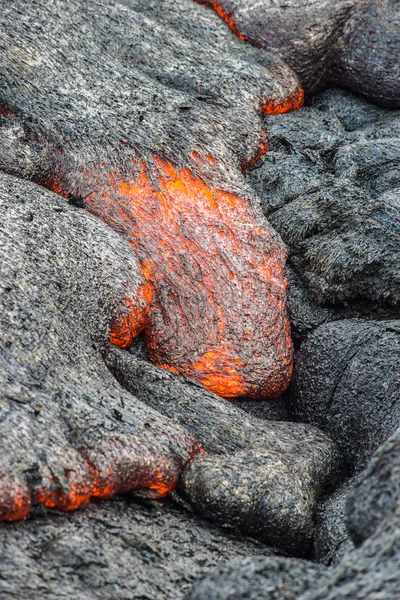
[255, 578]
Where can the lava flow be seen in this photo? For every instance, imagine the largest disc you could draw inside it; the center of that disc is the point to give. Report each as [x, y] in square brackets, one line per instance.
[215, 289]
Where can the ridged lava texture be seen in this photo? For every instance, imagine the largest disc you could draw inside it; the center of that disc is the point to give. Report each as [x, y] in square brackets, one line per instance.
[68, 431]
[149, 114]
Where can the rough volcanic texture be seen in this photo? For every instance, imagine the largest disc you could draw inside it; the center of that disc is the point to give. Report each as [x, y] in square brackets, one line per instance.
[119, 549]
[350, 43]
[373, 517]
[347, 381]
[261, 477]
[368, 572]
[376, 496]
[148, 115]
[266, 494]
[68, 431]
[330, 186]
[331, 538]
[258, 578]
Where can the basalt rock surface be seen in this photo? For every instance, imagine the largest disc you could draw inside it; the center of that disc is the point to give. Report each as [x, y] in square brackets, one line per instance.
[332, 540]
[148, 114]
[256, 578]
[119, 549]
[370, 571]
[350, 43]
[376, 496]
[263, 478]
[330, 186]
[347, 383]
[68, 431]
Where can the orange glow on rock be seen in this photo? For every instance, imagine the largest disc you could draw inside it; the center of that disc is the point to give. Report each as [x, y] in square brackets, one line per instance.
[272, 107]
[214, 282]
[15, 500]
[221, 13]
[275, 107]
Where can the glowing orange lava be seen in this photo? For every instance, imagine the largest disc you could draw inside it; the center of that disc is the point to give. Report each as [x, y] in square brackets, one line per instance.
[215, 289]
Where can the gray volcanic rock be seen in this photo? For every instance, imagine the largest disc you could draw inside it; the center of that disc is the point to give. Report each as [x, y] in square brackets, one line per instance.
[352, 111]
[68, 431]
[376, 496]
[373, 520]
[331, 538]
[346, 381]
[350, 43]
[330, 186]
[119, 549]
[370, 571]
[261, 477]
[263, 493]
[257, 578]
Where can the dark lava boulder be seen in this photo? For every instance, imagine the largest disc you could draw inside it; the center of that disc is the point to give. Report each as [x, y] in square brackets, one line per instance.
[263, 493]
[347, 381]
[370, 571]
[350, 43]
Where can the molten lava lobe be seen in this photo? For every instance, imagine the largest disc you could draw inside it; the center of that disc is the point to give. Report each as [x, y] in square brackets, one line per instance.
[216, 287]
[155, 144]
[348, 43]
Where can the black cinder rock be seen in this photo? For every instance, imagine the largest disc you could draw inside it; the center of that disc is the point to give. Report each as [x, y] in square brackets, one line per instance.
[330, 186]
